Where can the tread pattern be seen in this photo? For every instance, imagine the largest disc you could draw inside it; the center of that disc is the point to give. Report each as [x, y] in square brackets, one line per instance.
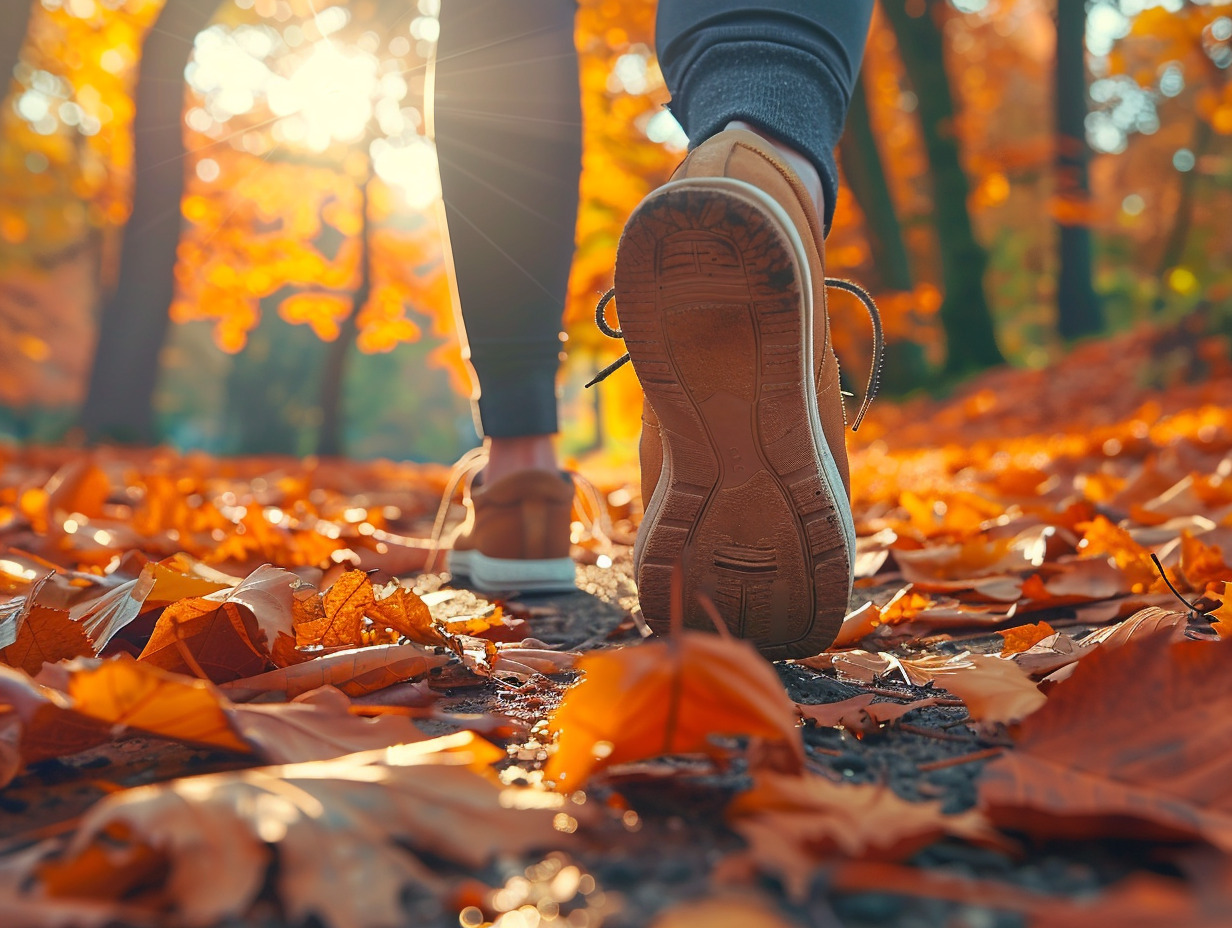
[709, 292]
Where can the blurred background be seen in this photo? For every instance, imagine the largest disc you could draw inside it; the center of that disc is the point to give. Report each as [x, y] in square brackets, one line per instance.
[218, 218]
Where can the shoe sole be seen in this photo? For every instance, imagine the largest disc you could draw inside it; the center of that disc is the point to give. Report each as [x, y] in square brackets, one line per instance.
[714, 293]
[499, 575]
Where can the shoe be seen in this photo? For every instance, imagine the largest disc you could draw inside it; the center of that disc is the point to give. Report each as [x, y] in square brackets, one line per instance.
[719, 281]
[515, 536]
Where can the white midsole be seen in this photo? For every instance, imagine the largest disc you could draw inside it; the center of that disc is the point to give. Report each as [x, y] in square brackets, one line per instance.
[825, 457]
[543, 575]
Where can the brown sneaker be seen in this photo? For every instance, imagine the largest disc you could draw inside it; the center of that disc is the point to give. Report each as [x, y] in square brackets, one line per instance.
[516, 535]
[719, 281]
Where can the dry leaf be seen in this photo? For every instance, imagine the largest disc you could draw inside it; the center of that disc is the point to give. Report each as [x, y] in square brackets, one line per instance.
[1023, 637]
[860, 714]
[342, 829]
[1138, 738]
[317, 726]
[993, 689]
[45, 635]
[342, 614]
[794, 823]
[671, 696]
[122, 693]
[356, 671]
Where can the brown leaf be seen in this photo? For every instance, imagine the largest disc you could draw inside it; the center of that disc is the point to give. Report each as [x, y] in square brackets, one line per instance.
[666, 697]
[1138, 739]
[355, 671]
[860, 714]
[316, 726]
[207, 638]
[994, 690]
[336, 825]
[794, 823]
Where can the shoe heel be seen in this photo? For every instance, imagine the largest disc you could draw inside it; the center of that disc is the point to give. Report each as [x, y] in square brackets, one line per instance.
[714, 298]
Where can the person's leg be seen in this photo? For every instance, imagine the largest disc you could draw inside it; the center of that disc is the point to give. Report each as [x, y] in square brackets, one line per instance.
[720, 291]
[507, 120]
[786, 67]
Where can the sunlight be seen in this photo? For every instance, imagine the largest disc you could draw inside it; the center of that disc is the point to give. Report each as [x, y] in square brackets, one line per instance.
[332, 91]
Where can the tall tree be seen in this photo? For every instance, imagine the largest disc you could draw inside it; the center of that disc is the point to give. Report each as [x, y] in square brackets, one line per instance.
[15, 15]
[1079, 311]
[119, 404]
[864, 171]
[965, 315]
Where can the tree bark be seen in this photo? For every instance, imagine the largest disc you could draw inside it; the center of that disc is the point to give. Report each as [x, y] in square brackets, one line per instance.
[906, 367]
[15, 15]
[119, 404]
[1079, 310]
[330, 440]
[965, 315]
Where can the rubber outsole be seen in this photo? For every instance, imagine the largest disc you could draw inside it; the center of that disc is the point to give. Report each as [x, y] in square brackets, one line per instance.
[714, 293]
[498, 575]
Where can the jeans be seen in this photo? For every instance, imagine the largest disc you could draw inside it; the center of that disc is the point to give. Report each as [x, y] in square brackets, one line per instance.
[508, 133]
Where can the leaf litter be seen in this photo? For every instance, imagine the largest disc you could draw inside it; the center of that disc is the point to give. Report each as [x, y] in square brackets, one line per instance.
[1016, 677]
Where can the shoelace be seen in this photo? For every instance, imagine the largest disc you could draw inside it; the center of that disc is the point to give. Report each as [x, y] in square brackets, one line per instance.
[874, 315]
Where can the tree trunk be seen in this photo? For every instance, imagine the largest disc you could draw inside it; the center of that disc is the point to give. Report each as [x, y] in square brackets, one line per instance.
[15, 15]
[1174, 247]
[333, 376]
[1079, 311]
[965, 316]
[906, 367]
[119, 404]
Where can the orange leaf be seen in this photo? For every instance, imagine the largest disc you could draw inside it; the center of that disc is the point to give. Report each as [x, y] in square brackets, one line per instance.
[404, 612]
[666, 697]
[1023, 637]
[44, 635]
[860, 714]
[342, 616]
[123, 692]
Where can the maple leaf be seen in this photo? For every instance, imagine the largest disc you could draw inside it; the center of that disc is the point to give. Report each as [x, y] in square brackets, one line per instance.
[1221, 615]
[671, 696]
[407, 614]
[1137, 736]
[793, 823]
[335, 824]
[342, 614]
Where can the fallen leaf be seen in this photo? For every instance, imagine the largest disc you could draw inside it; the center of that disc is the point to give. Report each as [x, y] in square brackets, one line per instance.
[120, 692]
[1021, 638]
[407, 614]
[860, 714]
[355, 671]
[41, 635]
[1137, 740]
[342, 614]
[993, 689]
[316, 726]
[670, 696]
[794, 823]
[346, 833]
